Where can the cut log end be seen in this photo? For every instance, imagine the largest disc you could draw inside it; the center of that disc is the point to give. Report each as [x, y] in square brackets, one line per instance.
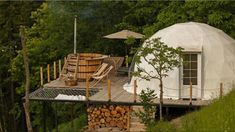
[108, 116]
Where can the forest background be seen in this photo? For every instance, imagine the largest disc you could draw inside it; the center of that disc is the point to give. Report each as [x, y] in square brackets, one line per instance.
[50, 37]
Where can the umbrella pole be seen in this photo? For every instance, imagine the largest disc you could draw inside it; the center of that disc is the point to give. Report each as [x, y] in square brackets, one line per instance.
[126, 56]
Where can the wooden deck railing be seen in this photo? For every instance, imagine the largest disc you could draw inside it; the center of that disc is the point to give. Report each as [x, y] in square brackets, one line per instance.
[56, 73]
[135, 91]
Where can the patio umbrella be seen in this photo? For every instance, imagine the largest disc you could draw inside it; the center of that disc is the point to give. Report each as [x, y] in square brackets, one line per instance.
[124, 34]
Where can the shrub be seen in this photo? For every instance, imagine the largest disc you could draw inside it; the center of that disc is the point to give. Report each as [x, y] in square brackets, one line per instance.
[146, 99]
[78, 124]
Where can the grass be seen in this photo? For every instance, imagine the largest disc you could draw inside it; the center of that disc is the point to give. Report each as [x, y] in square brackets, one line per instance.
[78, 124]
[161, 126]
[218, 117]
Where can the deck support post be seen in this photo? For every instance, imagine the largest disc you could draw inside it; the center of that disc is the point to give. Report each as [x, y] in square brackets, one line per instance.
[44, 116]
[190, 93]
[87, 87]
[54, 70]
[109, 90]
[221, 90]
[41, 76]
[56, 119]
[72, 117]
[167, 112]
[135, 86]
[48, 73]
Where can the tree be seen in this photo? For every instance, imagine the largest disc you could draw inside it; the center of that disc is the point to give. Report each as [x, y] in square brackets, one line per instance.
[51, 37]
[219, 14]
[12, 15]
[27, 83]
[161, 58]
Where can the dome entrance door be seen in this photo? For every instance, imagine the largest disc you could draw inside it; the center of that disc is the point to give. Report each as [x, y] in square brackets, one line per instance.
[191, 73]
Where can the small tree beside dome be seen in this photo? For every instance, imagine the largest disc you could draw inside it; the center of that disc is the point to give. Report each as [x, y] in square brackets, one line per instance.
[161, 58]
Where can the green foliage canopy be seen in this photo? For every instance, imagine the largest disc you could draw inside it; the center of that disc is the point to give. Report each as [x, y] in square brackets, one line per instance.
[160, 57]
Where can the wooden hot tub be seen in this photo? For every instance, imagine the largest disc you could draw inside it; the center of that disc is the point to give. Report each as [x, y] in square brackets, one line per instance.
[87, 64]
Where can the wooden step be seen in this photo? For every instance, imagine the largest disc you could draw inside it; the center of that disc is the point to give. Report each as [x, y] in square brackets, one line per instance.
[137, 124]
[63, 74]
[72, 63]
[72, 60]
[137, 108]
[135, 119]
[137, 130]
[71, 68]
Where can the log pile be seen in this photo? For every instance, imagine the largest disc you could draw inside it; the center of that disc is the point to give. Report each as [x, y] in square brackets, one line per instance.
[108, 116]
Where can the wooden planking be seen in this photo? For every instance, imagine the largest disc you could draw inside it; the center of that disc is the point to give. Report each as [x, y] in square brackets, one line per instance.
[125, 96]
[116, 90]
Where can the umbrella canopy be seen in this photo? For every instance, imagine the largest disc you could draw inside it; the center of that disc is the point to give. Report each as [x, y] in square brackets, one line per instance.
[124, 34]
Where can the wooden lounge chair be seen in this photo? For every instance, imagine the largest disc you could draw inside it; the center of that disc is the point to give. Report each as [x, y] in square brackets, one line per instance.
[100, 70]
[97, 79]
[116, 62]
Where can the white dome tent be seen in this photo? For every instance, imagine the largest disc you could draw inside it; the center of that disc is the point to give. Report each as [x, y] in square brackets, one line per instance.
[211, 56]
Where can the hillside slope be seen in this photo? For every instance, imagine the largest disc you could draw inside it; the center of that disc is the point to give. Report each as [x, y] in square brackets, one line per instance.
[219, 116]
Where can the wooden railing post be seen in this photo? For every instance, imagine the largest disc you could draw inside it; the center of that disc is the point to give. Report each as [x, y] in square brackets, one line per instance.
[190, 93]
[41, 75]
[64, 60]
[221, 90]
[87, 87]
[59, 67]
[109, 90]
[135, 86]
[48, 73]
[54, 70]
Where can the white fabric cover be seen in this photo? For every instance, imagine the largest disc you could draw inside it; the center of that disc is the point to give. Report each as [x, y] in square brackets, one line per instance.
[218, 59]
[70, 97]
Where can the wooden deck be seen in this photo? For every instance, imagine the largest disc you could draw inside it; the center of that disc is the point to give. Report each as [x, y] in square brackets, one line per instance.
[118, 94]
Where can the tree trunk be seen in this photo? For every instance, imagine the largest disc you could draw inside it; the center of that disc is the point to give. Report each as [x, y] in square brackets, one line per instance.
[1, 129]
[12, 104]
[27, 84]
[161, 99]
[72, 116]
[2, 112]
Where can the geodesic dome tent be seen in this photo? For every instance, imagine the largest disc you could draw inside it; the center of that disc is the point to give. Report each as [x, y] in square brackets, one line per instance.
[210, 55]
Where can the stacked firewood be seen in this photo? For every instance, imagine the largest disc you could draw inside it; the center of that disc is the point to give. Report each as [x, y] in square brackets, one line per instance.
[108, 116]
